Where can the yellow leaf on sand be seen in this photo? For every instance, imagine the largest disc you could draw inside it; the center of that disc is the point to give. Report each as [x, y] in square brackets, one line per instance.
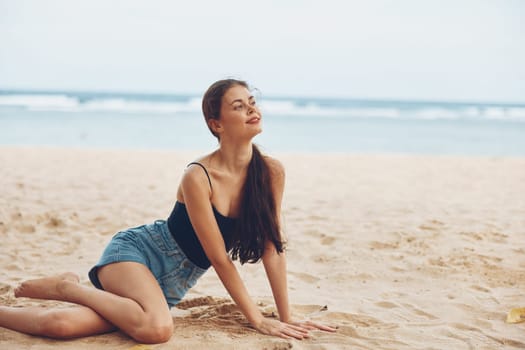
[516, 315]
[140, 347]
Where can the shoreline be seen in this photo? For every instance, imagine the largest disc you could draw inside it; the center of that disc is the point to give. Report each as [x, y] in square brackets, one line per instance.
[405, 251]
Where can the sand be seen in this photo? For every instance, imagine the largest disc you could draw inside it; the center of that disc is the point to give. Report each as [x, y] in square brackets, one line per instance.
[399, 251]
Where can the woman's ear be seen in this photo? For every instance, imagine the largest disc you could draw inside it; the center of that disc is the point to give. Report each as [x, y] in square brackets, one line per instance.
[215, 126]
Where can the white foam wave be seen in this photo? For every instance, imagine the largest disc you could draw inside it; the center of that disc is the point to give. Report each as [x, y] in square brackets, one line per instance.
[516, 113]
[270, 107]
[74, 104]
[288, 108]
[39, 101]
[512, 113]
[130, 106]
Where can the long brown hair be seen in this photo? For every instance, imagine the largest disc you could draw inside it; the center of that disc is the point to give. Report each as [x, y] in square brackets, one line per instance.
[258, 220]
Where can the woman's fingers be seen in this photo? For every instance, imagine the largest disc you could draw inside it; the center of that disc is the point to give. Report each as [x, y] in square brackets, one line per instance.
[298, 328]
[295, 332]
[281, 329]
[310, 325]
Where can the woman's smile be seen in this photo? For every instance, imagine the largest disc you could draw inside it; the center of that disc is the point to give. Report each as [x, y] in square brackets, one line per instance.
[254, 120]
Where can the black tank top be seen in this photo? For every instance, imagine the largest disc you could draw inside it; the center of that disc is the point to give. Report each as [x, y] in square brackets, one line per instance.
[180, 227]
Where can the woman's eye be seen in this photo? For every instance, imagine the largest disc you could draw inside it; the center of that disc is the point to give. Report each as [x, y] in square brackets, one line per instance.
[238, 107]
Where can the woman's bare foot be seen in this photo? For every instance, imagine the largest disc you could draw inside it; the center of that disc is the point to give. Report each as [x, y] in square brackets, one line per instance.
[45, 288]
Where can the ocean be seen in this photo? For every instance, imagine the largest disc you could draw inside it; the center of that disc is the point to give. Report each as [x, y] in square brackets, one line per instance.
[290, 124]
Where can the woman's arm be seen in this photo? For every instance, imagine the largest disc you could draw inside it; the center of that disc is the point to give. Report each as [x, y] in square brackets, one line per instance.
[275, 263]
[196, 194]
[275, 267]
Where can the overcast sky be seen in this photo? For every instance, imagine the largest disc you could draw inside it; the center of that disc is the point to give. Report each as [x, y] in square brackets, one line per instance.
[408, 49]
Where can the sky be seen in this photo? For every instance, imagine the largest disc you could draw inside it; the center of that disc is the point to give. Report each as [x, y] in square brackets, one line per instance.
[458, 50]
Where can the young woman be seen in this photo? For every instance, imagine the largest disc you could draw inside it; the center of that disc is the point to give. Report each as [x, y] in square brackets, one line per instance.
[227, 207]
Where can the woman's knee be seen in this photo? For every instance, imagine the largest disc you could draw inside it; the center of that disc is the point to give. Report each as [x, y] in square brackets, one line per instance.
[56, 324]
[153, 332]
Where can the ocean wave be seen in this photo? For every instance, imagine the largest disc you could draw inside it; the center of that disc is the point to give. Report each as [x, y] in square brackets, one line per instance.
[271, 107]
[394, 112]
[122, 105]
[65, 103]
[290, 108]
[35, 101]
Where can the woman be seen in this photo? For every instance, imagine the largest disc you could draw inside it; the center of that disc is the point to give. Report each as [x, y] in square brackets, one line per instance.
[227, 202]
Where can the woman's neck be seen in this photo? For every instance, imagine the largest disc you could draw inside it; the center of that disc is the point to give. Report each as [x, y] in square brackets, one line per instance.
[234, 158]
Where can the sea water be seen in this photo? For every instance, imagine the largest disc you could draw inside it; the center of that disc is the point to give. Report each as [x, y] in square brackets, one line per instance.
[290, 124]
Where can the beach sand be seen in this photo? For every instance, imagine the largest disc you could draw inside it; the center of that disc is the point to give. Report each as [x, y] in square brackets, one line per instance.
[401, 252]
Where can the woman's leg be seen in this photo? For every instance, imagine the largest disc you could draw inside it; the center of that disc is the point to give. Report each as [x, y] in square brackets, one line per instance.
[131, 300]
[63, 323]
[44, 288]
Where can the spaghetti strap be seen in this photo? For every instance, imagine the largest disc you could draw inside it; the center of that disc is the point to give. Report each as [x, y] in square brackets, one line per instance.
[206, 171]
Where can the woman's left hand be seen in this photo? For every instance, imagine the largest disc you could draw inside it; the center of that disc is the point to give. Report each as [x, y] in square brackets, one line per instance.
[312, 326]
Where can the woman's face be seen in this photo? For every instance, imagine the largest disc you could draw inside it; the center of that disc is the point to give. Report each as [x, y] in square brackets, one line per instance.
[239, 117]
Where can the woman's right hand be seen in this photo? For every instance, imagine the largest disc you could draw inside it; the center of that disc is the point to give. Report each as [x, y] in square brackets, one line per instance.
[281, 329]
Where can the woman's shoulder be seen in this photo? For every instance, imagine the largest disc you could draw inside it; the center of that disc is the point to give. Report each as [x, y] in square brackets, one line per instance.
[197, 171]
[276, 166]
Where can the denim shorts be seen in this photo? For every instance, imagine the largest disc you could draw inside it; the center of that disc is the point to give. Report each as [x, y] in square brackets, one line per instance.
[154, 246]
